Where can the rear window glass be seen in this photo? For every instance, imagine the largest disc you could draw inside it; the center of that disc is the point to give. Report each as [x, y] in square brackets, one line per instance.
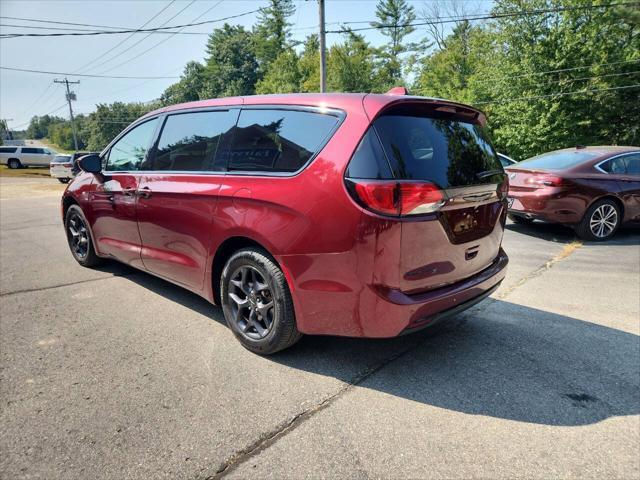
[445, 151]
[558, 160]
[270, 140]
[61, 159]
[190, 141]
[8, 149]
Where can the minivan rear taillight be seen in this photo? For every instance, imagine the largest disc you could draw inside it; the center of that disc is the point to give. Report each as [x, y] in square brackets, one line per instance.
[398, 198]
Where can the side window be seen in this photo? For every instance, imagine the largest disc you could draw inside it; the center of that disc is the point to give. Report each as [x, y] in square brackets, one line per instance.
[369, 160]
[194, 141]
[8, 149]
[29, 150]
[633, 164]
[129, 152]
[270, 140]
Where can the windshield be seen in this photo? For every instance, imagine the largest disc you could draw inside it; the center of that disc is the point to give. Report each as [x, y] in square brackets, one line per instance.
[558, 160]
[447, 152]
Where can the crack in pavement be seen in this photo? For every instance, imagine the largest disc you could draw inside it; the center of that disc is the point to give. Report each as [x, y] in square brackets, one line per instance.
[50, 287]
[267, 439]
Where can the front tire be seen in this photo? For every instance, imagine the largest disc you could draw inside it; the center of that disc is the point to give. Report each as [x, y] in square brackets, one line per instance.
[256, 302]
[79, 238]
[600, 222]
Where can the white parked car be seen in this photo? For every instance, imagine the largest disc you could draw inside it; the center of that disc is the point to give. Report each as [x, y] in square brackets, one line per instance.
[24, 156]
[61, 167]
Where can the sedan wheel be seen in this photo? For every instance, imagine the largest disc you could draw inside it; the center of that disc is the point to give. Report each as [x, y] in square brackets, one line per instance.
[600, 222]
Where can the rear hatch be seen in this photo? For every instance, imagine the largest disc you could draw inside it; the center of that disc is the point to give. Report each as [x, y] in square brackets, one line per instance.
[449, 195]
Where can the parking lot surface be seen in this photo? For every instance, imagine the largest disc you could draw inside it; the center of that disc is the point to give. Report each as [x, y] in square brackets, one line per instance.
[113, 373]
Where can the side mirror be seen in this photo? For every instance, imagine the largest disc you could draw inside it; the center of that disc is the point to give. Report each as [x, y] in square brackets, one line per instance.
[90, 163]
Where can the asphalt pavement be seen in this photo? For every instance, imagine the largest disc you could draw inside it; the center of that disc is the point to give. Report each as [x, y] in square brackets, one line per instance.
[112, 373]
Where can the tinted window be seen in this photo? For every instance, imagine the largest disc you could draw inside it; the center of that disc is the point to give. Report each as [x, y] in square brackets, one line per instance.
[558, 160]
[369, 161]
[129, 152]
[277, 140]
[447, 152]
[61, 159]
[614, 166]
[38, 151]
[8, 149]
[190, 141]
[633, 163]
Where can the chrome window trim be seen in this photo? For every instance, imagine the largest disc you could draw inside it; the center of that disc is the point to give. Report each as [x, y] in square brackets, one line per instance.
[161, 116]
[597, 165]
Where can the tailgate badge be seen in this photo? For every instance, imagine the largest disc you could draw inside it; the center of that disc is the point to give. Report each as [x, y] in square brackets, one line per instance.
[471, 252]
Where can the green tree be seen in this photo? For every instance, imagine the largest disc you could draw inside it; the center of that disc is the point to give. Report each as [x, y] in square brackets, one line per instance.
[107, 121]
[309, 65]
[39, 126]
[272, 32]
[394, 19]
[231, 67]
[283, 75]
[189, 88]
[350, 65]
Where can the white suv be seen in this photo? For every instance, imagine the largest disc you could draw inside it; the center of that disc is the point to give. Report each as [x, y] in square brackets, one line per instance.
[19, 157]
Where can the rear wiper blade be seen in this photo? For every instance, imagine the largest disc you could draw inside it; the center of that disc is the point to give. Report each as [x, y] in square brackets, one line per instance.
[489, 173]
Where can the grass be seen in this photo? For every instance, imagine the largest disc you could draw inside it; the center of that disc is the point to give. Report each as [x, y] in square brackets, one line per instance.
[24, 172]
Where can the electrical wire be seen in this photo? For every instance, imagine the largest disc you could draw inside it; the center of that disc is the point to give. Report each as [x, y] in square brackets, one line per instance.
[84, 74]
[552, 95]
[139, 30]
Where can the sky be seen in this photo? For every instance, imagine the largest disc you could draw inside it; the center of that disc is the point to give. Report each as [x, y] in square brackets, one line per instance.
[23, 95]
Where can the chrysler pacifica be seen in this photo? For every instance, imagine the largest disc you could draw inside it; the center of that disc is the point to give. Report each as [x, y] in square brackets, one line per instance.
[343, 214]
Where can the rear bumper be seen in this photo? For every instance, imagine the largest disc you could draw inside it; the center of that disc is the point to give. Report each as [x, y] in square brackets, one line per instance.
[61, 172]
[379, 312]
[551, 205]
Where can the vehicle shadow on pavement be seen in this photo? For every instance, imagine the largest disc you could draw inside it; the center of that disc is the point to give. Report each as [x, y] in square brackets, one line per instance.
[554, 232]
[505, 361]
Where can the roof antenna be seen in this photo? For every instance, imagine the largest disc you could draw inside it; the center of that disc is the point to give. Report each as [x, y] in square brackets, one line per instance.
[398, 91]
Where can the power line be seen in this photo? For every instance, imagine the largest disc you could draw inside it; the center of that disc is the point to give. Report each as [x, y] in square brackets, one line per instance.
[145, 37]
[161, 41]
[83, 74]
[561, 94]
[487, 17]
[102, 55]
[138, 30]
[33, 27]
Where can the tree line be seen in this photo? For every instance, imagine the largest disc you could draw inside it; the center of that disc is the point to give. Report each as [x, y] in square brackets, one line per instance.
[522, 69]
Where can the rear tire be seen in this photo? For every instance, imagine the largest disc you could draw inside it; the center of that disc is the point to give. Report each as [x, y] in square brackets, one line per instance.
[600, 222]
[256, 302]
[79, 238]
[520, 220]
[14, 163]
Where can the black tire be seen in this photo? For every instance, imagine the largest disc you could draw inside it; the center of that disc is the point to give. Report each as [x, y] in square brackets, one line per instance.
[604, 213]
[14, 163]
[253, 277]
[64, 180]
[520, 220]
[75, 221]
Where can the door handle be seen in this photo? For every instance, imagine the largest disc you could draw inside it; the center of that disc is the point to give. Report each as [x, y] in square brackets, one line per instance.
[144, 192]
[129, 191]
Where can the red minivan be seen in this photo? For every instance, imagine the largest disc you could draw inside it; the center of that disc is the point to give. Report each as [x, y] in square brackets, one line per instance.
[360, 215]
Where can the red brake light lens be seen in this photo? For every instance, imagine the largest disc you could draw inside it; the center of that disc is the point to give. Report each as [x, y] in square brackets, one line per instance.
[398, 198]
[547, 181]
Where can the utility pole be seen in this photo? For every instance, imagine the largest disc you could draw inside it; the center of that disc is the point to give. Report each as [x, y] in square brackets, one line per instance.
[323, 48]
[4, 122]
[70, 96]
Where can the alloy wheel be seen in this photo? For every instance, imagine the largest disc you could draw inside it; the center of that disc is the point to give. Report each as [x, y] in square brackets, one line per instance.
[603, 221]
[251, 301]
[78, 236]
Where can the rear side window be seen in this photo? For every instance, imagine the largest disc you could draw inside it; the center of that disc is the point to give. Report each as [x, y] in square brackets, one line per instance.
[38, 151]
[192, 141]
[445, 151]
[270, 140]
[368, 161]
[8, 149]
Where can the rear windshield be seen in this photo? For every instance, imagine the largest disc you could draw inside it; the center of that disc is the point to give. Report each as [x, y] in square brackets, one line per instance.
[445, 151]
[61, 159]
[558, 160]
